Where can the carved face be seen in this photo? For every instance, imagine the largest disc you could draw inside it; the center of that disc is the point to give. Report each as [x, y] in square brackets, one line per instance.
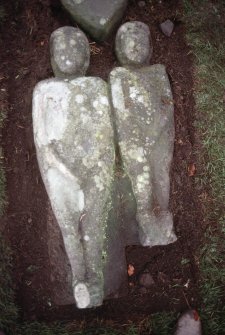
[133, 43]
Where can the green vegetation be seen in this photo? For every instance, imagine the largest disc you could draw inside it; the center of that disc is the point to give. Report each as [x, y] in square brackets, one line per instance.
[205, 22]
[8, 310]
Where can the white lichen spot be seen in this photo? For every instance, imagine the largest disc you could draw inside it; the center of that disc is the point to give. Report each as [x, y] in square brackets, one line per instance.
[137, 153]
[63, 57]
[99, 135]
[98, 183]
[100, 163]
[79, 98]
[100, 112]
[85, 118]
[140, 99]
[133, 92]
[146, 168]
[102, 21]
[77, 2]
[95, 104]
[62, 46]
[104, 100]
[142, 181]
[68, 62]
[86, 238]
[81, 295]
[140, 178]
[72, 42]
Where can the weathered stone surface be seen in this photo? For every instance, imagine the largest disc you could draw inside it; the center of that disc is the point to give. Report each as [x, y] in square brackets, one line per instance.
[70, 53]
[61, 290]
[97, 17]
[189, 324]
[75, 150]
[143, 112]
[167, 27]
[133, 44]
[122, 230]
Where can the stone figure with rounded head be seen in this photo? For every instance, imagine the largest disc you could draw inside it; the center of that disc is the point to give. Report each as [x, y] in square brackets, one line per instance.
[74, 140]
[75, 150]
[142, 106]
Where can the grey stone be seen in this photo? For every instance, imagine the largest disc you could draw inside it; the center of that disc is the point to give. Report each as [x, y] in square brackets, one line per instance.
[97, 17]
[143, 116]
[167, 27]
[141, 4]
[59, 266]
[146, 280]
[189, 324]
[133, 44]
[75, 150]
[70, 52]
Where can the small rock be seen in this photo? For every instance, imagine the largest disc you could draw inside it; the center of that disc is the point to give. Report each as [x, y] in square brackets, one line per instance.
[141, 4]
[162, 277]
[189, 323]
[146, 280]
[167, 27]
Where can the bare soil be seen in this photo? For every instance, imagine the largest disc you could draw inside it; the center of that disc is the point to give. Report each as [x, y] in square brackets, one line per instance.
[24, 39]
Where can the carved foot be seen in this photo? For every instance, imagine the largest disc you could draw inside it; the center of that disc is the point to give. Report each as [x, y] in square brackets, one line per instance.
[87, 296]
[156, 230]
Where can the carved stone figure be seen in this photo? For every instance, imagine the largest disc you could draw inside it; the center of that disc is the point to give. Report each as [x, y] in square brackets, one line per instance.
[143, 115]
[76, 123]
[75, 150]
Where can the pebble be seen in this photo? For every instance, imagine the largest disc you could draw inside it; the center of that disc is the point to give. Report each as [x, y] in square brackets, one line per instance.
[146, 280]
[167, 27]
[141, 4]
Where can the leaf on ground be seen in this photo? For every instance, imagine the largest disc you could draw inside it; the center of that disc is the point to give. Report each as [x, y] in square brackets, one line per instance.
[130, 270]
[191, 170]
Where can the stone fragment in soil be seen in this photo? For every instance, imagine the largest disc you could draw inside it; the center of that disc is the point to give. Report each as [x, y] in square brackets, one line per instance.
[70, 52]
[167, 27]
[141, 4]
[133, 44]
[97, 17]
[189, 324]
[146, 280]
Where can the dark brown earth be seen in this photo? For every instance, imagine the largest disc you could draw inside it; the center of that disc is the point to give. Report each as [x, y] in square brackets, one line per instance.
[25, 60]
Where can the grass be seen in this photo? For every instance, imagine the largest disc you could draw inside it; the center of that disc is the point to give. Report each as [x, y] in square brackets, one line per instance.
[205, 22]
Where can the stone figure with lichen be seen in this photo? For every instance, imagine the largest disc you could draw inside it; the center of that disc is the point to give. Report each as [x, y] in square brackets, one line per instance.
[75, 150]
[143, 115]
